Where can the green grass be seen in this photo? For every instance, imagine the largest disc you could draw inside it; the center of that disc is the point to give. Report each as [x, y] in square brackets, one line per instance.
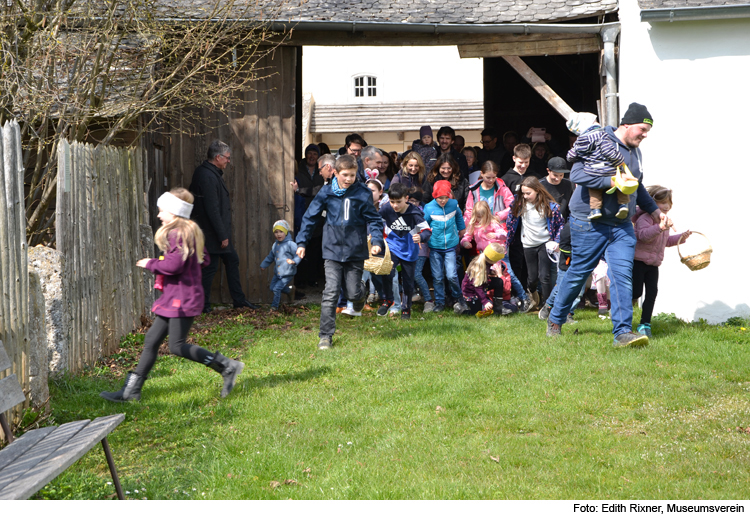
[439, 407]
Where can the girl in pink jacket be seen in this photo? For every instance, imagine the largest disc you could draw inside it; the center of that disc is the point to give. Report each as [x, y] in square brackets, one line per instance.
[484, 228]
[651, 239]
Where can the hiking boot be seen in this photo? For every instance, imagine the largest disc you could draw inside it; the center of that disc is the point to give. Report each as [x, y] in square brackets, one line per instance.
[535, 301]
[622, 212]
[405, 315]
[325, 343]
[130, 391]
[460, 308]
[553, 329]
[595, 214]
[229, 369]
[644, 329]
[525, 305]
[429, 306]
[359, 303]
[438, 308]
[570, 320]
[631, 339]
[384, 306]
[544, 312]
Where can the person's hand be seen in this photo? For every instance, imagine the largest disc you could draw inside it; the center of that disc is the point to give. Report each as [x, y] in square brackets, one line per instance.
[262, 268]
[487, 305]
[224, 243]
[142, 263]
[375, 250]
[658, 216]
[416, 238]
[301, 252]
[685, 235]
[529, 134]
[466, 244]
[289, 261]
[294, 185]
[547, 136]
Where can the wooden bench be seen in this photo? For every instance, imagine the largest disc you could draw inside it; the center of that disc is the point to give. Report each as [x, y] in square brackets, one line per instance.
[31, 461]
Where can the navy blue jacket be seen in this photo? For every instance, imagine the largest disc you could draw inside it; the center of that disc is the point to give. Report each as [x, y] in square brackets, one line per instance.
[579, 203]
[348, 218]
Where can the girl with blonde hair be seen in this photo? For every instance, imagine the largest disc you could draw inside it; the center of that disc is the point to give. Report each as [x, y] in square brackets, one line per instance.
[181, 241]
[476, 285]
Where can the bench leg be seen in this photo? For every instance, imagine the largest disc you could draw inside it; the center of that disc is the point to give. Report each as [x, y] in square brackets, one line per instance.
[112, 469]
[6, 428]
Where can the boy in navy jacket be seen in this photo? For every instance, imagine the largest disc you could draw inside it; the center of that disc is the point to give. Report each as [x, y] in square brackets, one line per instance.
[349, 214]
[405, 229]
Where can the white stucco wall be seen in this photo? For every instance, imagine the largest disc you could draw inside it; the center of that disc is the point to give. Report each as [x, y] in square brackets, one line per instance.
[401, 72]
[693, 77]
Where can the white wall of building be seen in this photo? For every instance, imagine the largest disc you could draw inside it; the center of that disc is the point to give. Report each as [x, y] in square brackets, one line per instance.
[693, 77]
[403, 73]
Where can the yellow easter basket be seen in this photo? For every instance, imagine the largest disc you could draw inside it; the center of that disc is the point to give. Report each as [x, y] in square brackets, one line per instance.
[622, 181]
[378, 265]
[699, 260]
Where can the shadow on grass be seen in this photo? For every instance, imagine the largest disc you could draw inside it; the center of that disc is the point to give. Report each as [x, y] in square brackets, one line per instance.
[272, 380]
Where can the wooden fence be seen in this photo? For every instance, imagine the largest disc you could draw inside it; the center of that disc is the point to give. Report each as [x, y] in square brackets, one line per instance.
[100, 212]
[14, 275]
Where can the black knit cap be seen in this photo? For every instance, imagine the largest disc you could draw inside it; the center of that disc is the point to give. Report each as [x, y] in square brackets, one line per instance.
[636, 114]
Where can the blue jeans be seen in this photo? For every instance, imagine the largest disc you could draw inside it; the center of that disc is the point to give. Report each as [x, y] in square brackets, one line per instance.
[278, 284]
[515, 284]
[591, 241]
[422, 285]
[443, 265]
[553, 295]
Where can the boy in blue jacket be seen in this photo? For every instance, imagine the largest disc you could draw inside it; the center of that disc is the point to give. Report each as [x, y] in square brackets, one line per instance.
[447, 224]
[349, 214]
[284, 254]
[406, 230]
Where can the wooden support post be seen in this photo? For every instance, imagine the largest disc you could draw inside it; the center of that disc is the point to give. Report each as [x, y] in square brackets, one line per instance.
[540, 86]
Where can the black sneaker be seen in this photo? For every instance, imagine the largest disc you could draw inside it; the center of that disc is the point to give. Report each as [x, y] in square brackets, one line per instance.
[525, 305]
[247, 304]
[544, 312]
[631, 339]
[383, 310]
[553, 329]
[438, 308]
[325, 343]
[406, 314]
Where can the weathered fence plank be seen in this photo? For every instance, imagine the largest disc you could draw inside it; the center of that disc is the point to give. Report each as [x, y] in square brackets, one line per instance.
[14, 275]
[99, 216]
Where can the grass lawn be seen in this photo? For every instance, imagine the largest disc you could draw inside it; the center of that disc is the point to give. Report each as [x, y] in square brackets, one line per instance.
[439, 407]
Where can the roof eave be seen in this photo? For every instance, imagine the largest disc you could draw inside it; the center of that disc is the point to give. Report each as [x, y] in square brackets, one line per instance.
[684, 14]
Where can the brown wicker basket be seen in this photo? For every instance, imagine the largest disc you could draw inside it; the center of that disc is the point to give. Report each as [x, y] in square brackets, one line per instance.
[378, 265]
[699, 260]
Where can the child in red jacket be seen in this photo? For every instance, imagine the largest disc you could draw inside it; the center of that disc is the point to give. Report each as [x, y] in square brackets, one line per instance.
[651, 239]
[181, 301]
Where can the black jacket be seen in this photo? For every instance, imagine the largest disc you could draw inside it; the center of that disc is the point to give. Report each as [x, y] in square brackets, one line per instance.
[212, 210]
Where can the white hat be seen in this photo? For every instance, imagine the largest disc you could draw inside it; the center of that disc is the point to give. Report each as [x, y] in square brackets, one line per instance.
[580, 122]
[170, 203]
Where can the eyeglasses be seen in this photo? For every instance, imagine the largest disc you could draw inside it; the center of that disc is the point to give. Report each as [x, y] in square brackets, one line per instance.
[483, 142]
[226, 157]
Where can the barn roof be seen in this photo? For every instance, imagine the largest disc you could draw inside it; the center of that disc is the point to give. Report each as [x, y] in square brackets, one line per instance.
[401, 11]
[397, 116]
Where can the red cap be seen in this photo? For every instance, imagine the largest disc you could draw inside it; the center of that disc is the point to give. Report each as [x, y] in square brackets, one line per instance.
[442, 188]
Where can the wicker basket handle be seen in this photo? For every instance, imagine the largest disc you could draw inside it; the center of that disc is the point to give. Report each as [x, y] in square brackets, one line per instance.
[694, 233]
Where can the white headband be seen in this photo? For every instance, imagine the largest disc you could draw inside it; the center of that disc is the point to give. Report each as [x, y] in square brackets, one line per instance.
[170, 203]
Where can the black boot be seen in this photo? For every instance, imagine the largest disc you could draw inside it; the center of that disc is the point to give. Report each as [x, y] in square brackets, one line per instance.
[130, 391]
[229, 370]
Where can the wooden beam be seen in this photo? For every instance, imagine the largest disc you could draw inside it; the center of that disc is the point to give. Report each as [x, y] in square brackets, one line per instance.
[532, 47]
[540, 86]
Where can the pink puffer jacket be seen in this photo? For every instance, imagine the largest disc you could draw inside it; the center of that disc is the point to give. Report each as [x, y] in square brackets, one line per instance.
[650, 239]
[484, 236]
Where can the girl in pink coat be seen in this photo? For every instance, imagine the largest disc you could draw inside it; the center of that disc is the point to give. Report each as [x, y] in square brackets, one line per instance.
[483, 227]
[651, 240]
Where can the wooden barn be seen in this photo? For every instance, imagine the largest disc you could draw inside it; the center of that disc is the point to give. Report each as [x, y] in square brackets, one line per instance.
[542, 58]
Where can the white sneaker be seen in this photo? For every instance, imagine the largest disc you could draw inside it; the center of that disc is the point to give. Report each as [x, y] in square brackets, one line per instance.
[417, 298]
[394, 311]
[350, 312]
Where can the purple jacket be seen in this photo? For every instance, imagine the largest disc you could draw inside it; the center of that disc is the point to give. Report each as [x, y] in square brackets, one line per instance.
[650, 240]
[183, 290]
[471, 292]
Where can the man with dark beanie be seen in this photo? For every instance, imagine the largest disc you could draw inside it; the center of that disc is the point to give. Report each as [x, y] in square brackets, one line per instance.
[592, 238]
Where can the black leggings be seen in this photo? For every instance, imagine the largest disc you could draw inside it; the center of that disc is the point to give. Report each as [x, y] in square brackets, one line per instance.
[538, 265]
[177, 328]
[645, 275]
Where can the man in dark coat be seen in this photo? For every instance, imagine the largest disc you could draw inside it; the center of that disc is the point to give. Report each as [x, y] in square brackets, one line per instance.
[212, 211]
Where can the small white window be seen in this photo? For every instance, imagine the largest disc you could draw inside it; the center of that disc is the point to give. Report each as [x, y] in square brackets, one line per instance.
[365, 86]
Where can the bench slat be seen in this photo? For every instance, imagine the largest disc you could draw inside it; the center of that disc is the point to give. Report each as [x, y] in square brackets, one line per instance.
[4, 359]
[10, 393]
[68, 449]
[21, 445]
[38, 454]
